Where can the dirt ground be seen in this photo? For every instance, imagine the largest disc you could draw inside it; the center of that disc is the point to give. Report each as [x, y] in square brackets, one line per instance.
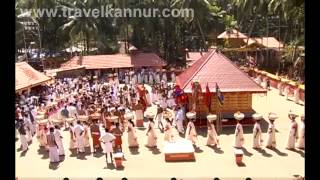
[150, 164]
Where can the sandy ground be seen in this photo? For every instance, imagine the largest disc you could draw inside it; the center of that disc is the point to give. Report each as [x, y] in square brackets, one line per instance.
[149, 164]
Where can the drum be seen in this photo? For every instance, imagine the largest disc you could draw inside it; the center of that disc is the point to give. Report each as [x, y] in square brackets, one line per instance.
[128, 116]
[56, 121]
[39, 117]
[191, 115]
[212, 117]
[238, 155]
[83, 118]
[167, 114]
[43, 121]
[70, 120]
[95, 116]
[114, 119]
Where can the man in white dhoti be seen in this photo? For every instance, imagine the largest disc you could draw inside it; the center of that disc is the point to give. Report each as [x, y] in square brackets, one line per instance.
[53, 148]
[78, 131]
[151, 82]
[58, 138]
[301, 134]
[159, 117]
[296, 94]
[271, 138]
[126, 78]
[107, 139]
[146, 77]
[257, 133]
[139, 78]
[293, 134]
[157, 78]
[134, 79]
[164, 77]
[72, 111]
[173, 77]
[179, 120]
[280, 88]
[23, 133]
[286, 91]
[28, 126]
[239, 139]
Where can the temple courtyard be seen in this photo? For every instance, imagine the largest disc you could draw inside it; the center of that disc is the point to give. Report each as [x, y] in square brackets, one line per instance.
[150, 163]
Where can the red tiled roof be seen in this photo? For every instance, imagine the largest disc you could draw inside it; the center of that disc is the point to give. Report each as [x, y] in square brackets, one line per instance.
[268, 42]
[213, 68]
[117, 61]
[26, 76]
[235, 34]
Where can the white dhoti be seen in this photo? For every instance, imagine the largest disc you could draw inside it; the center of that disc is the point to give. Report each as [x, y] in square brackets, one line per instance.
[180, 126]
[146, 79]
[107, 147]
[80, 143]
[159, 119]
[280, 88]
[24, 143]
[173, 77]
[29, 135]
[54, 154]
[300, 143]
[151, 80]
[127, 80]
[60, 147]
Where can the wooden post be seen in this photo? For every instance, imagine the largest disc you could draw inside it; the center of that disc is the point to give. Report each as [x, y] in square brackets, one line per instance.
[218, 123]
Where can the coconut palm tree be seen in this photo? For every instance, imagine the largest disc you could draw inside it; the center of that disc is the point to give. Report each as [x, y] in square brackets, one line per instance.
[84, 27]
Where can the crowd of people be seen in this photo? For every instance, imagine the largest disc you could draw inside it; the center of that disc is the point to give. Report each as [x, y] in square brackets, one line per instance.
[104, 110]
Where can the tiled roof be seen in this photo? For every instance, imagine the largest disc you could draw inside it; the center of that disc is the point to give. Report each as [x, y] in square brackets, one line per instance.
[117, 61]
[268, 42]
[213, 68]
[233, 34]
[26, 76]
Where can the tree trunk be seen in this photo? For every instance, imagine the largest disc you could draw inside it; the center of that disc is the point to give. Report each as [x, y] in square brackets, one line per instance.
[201, 33]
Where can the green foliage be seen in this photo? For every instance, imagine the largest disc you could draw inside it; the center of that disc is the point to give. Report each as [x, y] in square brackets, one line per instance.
[166, 36]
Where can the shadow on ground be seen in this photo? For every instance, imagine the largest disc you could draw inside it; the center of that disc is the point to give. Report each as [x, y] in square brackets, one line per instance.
[216, 149]
[98, 154]
[134, 150]
[298, 151]
[54, 166]
[263, 152]
[246, 152]
[45, 153]
[278, 152]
